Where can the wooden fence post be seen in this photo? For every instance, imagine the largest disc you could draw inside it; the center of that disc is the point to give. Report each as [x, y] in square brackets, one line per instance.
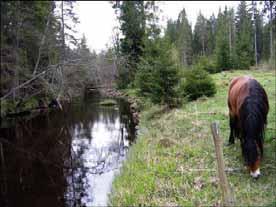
[228, 197]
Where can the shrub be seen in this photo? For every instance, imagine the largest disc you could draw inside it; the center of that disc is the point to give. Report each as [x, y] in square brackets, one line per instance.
[198, 83]
[207, 63]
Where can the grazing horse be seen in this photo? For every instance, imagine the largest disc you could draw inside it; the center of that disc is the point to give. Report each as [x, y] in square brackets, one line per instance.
[248, 108]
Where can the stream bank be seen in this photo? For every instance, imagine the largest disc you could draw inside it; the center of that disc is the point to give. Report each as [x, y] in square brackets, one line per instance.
[173, 160]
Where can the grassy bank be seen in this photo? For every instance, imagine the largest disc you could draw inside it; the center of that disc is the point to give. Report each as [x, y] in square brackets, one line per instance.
[173, 160]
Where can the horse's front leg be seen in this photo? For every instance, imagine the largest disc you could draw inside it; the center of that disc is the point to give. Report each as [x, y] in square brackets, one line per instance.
[232, 123]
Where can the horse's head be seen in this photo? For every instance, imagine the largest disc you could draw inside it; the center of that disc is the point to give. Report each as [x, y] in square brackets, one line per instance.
[255, 169]
[252, 157]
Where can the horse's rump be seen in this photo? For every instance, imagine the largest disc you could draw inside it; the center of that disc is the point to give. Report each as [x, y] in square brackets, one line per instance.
[238, 91]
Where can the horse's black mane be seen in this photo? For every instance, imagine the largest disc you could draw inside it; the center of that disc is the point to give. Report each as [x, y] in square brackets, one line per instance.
[253, 117]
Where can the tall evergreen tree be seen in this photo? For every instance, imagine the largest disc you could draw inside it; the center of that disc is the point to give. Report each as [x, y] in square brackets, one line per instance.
[222, 42]
[131, 15]
[200, 36]
[258, 24]
[269, 9]
[266, 43]
[211, 28]
[184, 39]
[158, 72]
[171, 31]
[244, 37]
[230, 21]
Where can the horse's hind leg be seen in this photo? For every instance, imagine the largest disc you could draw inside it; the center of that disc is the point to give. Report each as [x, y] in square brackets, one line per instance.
[232, 124]
[260, 145]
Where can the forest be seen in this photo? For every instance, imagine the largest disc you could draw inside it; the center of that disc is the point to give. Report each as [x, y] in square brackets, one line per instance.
[175, 81]
[42, 59]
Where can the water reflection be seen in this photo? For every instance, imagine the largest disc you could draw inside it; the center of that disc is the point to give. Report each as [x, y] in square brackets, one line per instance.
[65, 158]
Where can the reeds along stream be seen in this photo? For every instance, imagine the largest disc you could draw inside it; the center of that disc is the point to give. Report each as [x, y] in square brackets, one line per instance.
[65, 158]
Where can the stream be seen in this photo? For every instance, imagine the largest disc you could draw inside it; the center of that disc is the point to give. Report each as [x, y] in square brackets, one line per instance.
[65, 158]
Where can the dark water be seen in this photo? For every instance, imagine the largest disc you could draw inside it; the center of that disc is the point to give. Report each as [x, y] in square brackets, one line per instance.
[65, 158]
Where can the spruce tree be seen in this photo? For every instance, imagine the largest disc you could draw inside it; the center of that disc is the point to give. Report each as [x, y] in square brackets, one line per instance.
[158, 72]
[171, 31]
[211, 26]
[184, 39]
[200, 36]
[222, 43]
[244, 37]
[131, 15]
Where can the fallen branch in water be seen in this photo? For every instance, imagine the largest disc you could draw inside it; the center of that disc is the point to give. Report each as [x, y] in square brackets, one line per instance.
[49, 68]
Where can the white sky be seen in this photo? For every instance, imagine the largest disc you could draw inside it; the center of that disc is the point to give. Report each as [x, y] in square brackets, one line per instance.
[97, 18]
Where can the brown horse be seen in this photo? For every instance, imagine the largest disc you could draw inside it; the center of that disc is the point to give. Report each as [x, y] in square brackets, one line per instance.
[248, 108]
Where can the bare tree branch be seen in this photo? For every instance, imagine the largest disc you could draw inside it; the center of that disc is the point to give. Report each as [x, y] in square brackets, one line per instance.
[42, 43]
[49, 68]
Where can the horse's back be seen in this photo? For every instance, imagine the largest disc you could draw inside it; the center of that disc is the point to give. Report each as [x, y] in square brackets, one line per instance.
[238, 91]
[259, 93]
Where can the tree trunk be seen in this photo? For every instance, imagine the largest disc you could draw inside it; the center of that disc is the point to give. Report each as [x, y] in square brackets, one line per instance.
[42, 43]
[255, 40]
[230, 36]
[16, 76]
[62, 32]
[63, 51]
[255, 32]
[271, 32]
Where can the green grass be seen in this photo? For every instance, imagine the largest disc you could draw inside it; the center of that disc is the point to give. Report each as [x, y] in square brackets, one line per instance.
[173, 160]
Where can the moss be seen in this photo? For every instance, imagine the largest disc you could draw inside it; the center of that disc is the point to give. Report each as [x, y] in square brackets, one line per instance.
[108, 102]
[7, 106]
[30, 104]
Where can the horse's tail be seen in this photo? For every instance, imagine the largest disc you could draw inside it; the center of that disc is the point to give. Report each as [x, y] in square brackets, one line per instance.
[253, 118]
